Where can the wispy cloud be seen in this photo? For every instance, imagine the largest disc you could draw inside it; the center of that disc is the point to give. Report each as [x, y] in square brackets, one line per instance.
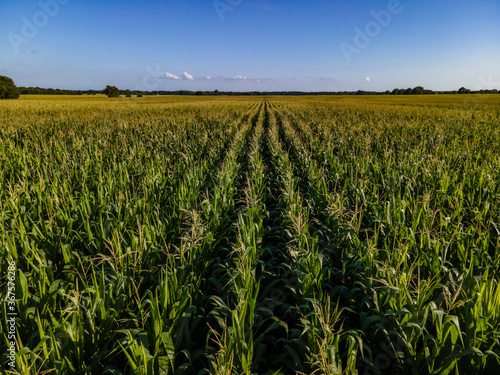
[171, 76]
[368, 79]
[239, 78]
[242, 78]
[236, 78]
[328, 79]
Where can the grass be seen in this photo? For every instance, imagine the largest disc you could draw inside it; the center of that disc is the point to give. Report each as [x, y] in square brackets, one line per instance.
[248, 235]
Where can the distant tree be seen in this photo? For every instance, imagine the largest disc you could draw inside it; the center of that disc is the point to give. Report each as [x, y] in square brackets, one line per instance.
[387, 92]
[128, 94]
[408, 91]
[112, 91]
[199, 93]
[419, 90]
[463, 90]
[361, 92]
[8, 89]
[216, 92]
[139, 95]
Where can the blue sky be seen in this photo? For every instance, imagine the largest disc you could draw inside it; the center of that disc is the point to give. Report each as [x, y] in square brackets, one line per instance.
[242, 45]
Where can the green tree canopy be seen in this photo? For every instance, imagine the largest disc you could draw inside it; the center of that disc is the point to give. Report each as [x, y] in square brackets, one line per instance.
[419, 90]
[112, 91]
[8, 89]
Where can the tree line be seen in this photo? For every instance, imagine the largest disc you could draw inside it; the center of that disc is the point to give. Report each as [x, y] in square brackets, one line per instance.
[8, 90]
[409, 91]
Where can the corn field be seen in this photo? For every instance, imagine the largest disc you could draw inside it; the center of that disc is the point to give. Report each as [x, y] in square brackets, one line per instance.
[326, 235]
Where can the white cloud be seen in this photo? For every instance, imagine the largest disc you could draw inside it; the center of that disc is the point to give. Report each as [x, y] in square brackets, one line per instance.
[188, 76]
[237, 78]
[368, 79]
[171, 76]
